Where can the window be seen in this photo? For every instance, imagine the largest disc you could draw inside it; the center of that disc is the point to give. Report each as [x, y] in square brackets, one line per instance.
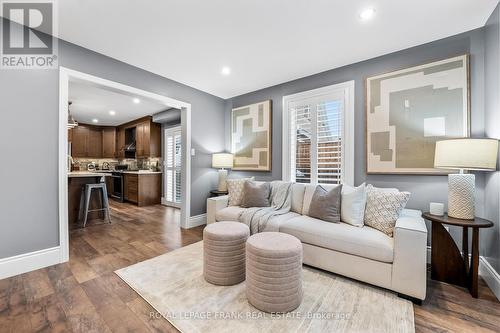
[318, 144]
[173, 166]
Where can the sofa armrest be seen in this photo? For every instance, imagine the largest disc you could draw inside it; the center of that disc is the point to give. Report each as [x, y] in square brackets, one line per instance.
[215, 204]
[409, 269]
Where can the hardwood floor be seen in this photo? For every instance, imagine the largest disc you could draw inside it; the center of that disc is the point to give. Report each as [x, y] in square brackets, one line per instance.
[84, 295]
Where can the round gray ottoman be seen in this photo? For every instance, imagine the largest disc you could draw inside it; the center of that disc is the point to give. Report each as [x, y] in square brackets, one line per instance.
[224, 252]
[274, 272]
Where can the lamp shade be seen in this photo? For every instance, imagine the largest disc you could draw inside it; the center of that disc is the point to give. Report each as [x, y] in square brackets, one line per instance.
[467, 154]
[222, 160]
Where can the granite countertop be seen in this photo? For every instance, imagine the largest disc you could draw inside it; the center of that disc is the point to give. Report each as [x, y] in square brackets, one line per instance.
[75, 174]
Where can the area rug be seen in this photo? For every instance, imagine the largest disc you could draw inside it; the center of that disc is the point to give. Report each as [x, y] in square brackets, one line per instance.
[173, 284]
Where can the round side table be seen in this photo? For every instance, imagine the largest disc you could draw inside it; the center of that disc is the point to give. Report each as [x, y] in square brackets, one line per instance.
[447, 263]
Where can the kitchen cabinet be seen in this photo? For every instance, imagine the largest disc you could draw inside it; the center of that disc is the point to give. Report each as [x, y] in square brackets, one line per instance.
[143, 189]
[148, 139]
[79, 143]
[120, 143]
[95, 142]
[109, 142]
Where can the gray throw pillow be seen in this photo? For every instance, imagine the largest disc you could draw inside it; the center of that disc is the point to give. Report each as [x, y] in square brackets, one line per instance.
[255, 195]
[325, 205]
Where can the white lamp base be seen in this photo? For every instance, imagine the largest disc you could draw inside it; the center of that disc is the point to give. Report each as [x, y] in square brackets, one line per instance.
[461, 190]
[222, 180]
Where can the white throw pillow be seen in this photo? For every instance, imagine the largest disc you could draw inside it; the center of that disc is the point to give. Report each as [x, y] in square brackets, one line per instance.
[235, 190]
[353, 205]
[383, 208]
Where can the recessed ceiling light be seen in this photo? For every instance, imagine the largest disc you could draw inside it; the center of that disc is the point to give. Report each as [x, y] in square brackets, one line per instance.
[367, 14]
[112, 112]
[226, 70]
[136, 100]
[95, 120]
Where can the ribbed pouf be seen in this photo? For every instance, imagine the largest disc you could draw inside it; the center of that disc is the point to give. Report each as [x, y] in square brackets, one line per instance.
[274, 272]
[224, 252]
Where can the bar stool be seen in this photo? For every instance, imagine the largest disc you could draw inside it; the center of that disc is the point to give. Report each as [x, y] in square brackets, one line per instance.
[85, 201]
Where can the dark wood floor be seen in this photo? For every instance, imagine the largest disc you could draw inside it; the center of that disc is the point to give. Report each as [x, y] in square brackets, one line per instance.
[84, 295]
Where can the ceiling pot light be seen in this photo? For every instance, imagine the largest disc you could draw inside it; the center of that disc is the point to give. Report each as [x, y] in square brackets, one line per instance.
[136, 100]
[367, 14]
[226, 70]
[112, 112]
[95, 120]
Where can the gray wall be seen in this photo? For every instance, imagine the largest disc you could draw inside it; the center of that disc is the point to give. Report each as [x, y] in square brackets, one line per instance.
[424, 189]
[490, 238]
[29, 140]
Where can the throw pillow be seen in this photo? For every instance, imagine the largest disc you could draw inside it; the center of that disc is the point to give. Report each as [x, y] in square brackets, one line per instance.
[235, 190]
[255, 195]
[325, 205]
[383, 208]
[353, 204]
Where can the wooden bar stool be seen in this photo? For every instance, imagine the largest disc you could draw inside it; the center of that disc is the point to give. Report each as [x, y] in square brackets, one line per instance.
[85, 202]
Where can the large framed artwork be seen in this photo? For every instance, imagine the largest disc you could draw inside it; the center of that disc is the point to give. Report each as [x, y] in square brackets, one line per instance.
[251, 136]
[408, 110]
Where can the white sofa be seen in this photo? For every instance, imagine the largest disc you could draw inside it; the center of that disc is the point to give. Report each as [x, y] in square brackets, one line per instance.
[397, 263]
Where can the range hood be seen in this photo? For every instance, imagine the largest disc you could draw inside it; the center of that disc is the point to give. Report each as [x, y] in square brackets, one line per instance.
[130, 147]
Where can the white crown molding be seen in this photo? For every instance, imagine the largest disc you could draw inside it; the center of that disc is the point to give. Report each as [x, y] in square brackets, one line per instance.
[31, 261]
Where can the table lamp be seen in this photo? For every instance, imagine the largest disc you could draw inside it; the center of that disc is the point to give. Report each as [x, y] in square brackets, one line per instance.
[464, 154]
[222, 161]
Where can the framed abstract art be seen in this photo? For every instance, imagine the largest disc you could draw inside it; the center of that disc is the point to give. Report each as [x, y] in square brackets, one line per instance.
[251, 136]
[408, 110]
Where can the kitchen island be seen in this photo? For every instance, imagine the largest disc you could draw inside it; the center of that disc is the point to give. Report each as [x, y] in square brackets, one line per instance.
[76, 182]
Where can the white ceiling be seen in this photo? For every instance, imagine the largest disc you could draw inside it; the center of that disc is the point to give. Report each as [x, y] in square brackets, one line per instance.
[264, 42]
[94, 102]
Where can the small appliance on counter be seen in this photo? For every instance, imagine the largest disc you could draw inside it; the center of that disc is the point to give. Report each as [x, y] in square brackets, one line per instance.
[105, 166]
[91, 166]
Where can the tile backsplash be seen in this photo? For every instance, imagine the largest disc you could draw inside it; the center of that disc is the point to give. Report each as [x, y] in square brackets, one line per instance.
[153, 163]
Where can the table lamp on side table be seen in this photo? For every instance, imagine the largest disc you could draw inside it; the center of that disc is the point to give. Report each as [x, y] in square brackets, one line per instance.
[464, 154]
[222, 161]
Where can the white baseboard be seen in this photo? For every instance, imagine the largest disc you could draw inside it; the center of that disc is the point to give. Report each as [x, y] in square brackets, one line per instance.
[197, 220]
[28, 262]
[488, 273]
[490, 276]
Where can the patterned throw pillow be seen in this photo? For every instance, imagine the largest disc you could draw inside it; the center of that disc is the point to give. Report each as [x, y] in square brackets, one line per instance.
[383, 208]
[235, 190]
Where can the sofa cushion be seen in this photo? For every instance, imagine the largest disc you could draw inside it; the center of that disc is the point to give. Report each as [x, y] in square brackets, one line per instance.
[308, 194]
[235, 190]
[353, 205]
[297, 197]
[255, 195]
[325, 205]
[230, 213]
[364, 242]
[277, 221]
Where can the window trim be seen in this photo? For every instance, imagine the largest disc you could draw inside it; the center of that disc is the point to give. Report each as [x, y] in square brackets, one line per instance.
[348, 142]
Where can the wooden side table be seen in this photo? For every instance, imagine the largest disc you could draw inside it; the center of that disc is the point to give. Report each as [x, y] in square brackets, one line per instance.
[447, 263]
[217, 193]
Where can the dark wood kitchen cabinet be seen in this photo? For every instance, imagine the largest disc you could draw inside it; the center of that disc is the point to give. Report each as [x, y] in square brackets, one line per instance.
[95, 142]
[143, 189]
[109, 142]
[79, 141]
[120, 143]
[148, 139]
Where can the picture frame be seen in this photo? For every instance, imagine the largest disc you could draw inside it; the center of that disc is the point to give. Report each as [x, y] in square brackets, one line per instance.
[251, 136]
[408, 110]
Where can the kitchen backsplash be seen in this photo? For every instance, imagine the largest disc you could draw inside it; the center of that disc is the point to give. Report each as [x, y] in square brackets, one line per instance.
[152, 163]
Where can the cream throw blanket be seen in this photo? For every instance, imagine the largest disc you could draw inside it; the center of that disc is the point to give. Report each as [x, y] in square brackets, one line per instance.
[257, 218]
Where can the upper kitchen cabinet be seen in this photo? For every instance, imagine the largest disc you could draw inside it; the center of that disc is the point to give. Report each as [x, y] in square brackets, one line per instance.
[109, 142]
[79, 141]
[86, 141]
[148, 139]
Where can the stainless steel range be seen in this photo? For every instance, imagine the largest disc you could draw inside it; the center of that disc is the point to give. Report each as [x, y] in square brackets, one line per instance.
[118, 182]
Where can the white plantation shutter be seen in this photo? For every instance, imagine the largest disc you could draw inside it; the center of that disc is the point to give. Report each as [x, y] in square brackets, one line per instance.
[315, 125]
[173, 160]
